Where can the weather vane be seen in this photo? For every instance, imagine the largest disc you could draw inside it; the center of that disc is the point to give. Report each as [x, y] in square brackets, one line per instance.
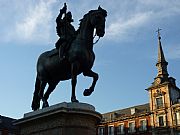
[158, 31]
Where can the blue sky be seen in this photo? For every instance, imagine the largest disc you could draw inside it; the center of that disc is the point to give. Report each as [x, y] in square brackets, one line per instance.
[125, 56]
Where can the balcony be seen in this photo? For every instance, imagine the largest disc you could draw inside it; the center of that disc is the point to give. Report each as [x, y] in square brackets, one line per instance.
[143, 128]
[162, 124]
[160, 106]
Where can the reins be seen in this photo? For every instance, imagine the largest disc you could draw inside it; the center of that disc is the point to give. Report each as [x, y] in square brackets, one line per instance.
[97, 39]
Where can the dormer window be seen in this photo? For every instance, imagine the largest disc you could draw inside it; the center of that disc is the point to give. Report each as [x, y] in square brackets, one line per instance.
[112, 116]
[133, 111]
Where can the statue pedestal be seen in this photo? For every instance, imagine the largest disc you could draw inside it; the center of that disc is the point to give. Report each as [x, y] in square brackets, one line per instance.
[61, 119]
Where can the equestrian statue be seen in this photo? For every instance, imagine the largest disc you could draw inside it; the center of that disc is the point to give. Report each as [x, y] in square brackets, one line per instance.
[73, 55]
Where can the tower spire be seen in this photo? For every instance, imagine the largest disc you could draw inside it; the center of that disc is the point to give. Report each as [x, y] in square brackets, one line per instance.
[161, 63]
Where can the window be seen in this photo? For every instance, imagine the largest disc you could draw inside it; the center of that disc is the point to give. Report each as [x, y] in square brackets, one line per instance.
[111, 116]
[161, 121]
[120, 129]
[101, 131]
[159, 102]
[111, 130]
[143, 125]
[131, 127]
[177, 118]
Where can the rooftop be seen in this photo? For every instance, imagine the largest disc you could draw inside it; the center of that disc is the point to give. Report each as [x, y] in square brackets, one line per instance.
[127, 112]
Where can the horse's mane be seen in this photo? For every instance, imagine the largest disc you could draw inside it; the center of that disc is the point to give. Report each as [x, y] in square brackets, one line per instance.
[103, 11]
[84, 19]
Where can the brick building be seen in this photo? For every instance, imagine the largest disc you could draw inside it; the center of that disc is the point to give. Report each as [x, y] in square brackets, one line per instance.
[131, 120]
[161, 116]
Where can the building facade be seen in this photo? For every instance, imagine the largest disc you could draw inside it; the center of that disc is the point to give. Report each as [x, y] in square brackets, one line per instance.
[161, 116]
[7, 127]
[134, 120]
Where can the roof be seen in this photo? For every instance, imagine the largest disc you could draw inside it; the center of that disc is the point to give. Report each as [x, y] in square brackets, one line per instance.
[126, 113]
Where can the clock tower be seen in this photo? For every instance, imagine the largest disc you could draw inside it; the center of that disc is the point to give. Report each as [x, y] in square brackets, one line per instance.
[163, 95]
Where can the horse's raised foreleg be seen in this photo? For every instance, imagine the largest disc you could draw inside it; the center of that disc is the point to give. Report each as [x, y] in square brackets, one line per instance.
[95, 76]
[74, 72]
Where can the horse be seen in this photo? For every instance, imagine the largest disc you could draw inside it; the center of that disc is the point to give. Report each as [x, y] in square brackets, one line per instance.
[79, 59]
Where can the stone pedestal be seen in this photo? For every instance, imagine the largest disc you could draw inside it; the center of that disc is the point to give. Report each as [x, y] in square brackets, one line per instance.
[61, 119]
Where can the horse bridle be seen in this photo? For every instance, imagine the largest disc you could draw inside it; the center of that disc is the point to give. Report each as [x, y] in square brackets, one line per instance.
[97, 39]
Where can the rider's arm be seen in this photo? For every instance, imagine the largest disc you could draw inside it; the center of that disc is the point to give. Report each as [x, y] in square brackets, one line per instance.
[62, 11]
[59, 18]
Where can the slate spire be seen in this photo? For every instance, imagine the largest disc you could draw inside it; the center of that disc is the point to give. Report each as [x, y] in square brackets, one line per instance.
[161, 63]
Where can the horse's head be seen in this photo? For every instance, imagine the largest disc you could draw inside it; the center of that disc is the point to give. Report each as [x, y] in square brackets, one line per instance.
[98, 18]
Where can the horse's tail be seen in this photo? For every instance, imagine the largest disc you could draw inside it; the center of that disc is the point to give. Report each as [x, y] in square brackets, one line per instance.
[36, 99]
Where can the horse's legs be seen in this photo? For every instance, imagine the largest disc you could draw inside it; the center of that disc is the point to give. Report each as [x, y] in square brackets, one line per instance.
[95, 76]
[50, 89]
[36, 99]
[41, 92]
[74, 71]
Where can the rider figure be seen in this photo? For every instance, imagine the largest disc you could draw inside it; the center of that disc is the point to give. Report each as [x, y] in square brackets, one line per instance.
[65, 31]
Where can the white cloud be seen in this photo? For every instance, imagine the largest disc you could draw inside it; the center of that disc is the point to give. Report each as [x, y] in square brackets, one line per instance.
[35, 24]
[26, 21]
[122, 27]
[34, 20]
[125, 21]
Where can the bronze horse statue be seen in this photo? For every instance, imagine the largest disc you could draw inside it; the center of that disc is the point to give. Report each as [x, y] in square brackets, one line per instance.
[80, 59]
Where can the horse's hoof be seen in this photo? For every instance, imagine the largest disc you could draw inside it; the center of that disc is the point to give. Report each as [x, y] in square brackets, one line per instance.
[87, 92]
[45, 105]
[35, 106]
[74, 100]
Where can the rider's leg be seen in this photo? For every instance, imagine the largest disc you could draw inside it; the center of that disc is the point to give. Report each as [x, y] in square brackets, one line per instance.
[61, 51]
